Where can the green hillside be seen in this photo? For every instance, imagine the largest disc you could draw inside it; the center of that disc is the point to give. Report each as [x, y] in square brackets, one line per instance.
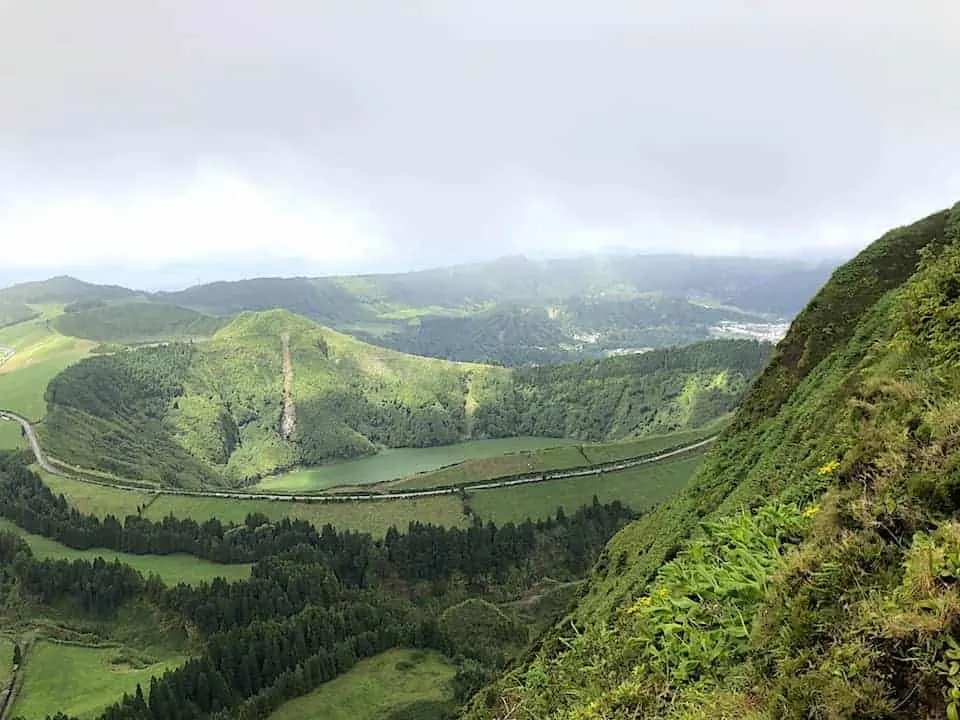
[136, 321]
[62, 289]
[189, 414]
[810, 568]
[13, 312]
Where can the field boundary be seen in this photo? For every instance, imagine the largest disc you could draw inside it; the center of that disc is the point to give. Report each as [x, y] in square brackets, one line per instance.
[507, 481]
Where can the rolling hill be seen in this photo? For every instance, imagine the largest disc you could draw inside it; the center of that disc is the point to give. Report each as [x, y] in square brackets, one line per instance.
[810, 570]
[513, 311]
[274, 390]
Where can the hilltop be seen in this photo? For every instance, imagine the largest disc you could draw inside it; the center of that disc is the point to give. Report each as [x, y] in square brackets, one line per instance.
[234, 408]
[810, 568]
[513, 311]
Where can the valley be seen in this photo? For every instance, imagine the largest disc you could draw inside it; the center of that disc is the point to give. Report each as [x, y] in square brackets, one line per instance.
[320, 524]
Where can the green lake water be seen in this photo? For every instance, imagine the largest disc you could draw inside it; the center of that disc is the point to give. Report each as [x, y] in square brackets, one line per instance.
[394, 463]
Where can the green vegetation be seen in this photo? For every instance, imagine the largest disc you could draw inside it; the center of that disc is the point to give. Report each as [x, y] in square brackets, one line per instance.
[61, 290]
[391, 464]
[11, 437]
[82, 681]
[190, 415]
[170, 568]
[12, 312]
[809, 569]
[372, 517]
[395, 685]
[41, 354]
[6, 658]
[641, 487]
[136, 321]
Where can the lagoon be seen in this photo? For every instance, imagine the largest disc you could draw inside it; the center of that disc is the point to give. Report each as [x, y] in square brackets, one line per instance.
[395, 463]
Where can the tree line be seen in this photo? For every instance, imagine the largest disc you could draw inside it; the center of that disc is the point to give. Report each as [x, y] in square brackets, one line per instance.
[315, 602]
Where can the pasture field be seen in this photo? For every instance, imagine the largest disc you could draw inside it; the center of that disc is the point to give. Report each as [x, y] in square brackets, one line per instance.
[41, 353]
[397, 463]
[375, 688]
[81, 681]
[96, 499]
[372, 517]
[639, 487]
[10, 438]
[6, 660]
[171, 568]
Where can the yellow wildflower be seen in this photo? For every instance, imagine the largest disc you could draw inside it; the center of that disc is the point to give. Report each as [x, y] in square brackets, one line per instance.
[640, 604]
[830, 467]
[811, 511]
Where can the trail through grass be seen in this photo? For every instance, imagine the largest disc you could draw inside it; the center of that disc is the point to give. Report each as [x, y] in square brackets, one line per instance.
[171, 568]
[82, 681]
[376, 687]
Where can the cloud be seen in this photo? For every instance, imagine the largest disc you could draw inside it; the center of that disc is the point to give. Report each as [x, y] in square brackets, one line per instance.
[438, 131]
[215, 214]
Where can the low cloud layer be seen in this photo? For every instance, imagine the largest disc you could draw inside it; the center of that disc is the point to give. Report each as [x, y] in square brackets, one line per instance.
[369, 134]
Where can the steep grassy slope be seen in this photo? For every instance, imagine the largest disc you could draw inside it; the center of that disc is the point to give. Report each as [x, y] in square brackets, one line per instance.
[217, 412]
[811, 568]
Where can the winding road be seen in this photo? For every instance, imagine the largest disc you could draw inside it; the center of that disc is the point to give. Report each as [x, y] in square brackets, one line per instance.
[528, 479]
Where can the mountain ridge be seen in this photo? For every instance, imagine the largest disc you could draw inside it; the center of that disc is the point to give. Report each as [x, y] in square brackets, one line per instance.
[509, 312]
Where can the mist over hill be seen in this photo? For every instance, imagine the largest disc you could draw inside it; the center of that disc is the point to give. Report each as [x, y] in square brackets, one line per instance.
[513, 311]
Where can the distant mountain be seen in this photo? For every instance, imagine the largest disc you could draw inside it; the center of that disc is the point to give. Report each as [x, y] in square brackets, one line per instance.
[63, 289]
[512, 311]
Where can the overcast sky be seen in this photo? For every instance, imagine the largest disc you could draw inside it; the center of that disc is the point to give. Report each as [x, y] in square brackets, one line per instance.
[386, 134]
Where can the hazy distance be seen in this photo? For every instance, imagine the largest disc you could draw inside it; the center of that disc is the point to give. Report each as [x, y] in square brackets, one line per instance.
[159, 144]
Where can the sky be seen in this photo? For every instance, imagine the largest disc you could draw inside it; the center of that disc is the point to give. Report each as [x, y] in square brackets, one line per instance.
[206, 137]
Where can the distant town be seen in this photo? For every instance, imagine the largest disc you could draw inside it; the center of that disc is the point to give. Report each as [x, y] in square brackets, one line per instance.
[771, 332]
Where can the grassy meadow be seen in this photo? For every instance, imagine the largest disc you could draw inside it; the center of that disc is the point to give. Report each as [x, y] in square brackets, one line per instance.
[82, 681]
[171, 568]
[41, 354]
[638, 487]
[376, 688]
[372, 517]
[10, 438]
